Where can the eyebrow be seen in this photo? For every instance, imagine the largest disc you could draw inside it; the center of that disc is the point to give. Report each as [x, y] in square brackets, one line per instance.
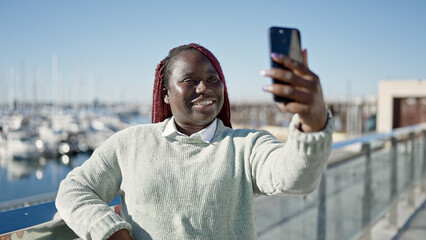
[213, 71]
[210, 71]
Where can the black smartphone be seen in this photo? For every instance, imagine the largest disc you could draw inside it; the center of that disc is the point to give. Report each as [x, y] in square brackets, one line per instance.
[285, 41]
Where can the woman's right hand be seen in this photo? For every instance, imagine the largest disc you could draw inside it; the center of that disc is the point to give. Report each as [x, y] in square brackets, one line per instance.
[121, 234]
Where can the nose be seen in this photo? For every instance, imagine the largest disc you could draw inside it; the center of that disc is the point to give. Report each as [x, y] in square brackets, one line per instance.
[202, 87]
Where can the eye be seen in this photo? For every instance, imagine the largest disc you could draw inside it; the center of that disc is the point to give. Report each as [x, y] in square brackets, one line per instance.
[188, 80]
[213, 79]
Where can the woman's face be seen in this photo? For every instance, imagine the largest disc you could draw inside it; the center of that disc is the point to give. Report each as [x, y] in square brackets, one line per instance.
[195, 92]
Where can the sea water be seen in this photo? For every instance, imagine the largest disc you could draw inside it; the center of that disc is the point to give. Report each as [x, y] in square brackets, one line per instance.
[37, 180]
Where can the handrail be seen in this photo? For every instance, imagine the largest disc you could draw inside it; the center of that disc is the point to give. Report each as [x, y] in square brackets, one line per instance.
[379, 136]
[27, 201]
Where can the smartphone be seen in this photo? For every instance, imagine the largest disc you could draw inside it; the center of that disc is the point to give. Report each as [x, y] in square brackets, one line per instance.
[285, 41]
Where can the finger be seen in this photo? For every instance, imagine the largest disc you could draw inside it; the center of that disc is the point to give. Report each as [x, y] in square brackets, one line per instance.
[288, 77]
[297, 67]
[287, 91]
[305, 57]
[286, 61]
[281, 106]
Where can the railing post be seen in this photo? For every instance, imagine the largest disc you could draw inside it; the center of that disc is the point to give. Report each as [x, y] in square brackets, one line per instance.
[338, 220]
[393, 216]
[412, 172]
[367, 198]
[424, 162]
[322, 208]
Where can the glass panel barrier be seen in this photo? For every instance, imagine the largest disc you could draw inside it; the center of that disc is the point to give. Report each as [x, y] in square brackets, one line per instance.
[344, 198]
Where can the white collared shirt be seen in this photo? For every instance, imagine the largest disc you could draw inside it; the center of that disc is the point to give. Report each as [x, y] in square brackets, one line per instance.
[206, 134]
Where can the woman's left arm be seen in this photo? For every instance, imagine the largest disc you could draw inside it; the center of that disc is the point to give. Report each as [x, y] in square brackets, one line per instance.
[296, 167]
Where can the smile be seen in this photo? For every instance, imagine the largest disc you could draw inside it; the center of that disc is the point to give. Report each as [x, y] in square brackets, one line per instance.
[203, 103]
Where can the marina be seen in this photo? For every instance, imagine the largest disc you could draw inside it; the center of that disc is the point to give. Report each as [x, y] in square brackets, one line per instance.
[38, 148]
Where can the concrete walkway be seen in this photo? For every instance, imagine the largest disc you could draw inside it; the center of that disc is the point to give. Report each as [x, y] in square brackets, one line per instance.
[416, 226]
[407, 220]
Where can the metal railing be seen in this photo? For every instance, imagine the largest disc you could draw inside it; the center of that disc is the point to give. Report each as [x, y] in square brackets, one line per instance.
[364, 180]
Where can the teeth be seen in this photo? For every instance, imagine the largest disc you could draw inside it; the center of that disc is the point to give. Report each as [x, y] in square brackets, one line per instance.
[207, 102]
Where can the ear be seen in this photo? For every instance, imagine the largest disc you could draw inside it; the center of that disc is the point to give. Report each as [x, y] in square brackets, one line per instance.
[166, 96]
[166, 99]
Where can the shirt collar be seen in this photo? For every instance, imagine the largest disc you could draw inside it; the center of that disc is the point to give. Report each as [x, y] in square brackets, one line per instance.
[206, 134]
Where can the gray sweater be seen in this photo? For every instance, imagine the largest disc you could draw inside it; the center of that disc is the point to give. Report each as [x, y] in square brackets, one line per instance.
[179, 187]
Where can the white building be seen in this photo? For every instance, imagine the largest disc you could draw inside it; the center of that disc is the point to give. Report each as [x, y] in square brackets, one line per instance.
[400, 103]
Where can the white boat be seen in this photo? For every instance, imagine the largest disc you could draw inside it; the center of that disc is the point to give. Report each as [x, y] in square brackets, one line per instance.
[20, 146]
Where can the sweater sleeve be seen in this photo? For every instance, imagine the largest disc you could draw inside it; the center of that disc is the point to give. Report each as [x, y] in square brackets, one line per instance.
[294, 167]
[84, 194]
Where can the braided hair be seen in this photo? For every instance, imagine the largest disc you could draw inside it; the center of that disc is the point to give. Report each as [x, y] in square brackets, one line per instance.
[161, 110]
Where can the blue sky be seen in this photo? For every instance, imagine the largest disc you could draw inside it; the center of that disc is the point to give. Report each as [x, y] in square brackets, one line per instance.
[109, 49]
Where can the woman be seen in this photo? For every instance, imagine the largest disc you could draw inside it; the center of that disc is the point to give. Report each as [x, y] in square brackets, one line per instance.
[189, 175]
